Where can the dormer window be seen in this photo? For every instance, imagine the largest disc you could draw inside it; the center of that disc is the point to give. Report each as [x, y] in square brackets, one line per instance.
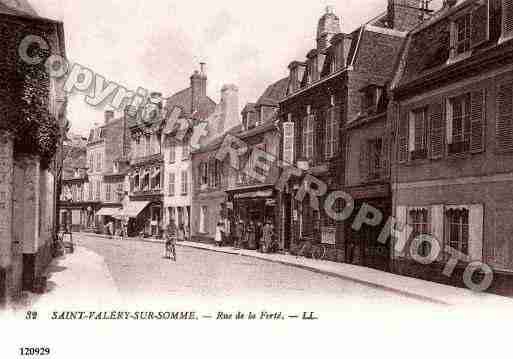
[371, 97]
[462, 34]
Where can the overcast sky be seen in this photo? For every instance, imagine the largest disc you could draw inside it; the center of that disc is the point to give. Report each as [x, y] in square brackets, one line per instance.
[157, 44]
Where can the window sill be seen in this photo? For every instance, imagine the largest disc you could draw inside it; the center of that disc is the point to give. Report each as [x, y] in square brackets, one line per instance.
[459, 57]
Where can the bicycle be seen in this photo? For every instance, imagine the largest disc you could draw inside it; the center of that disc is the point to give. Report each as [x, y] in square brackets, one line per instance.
[310, 250]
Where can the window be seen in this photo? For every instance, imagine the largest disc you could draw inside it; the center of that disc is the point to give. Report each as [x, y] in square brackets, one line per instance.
[120, 192]
[107, 192]
[308, 133]
[462, 34]
[91, 163]
[171, 184]
[172, 152]
[185, 184]
[331, 132]
[91, 191]
[148, 145]
[458, 229]
[418, 133]
[203, 219]
[419, 221]
[375, 165]
[137, 147]
[98, 190]
[186, 149]
[204, 173]
[458, 124]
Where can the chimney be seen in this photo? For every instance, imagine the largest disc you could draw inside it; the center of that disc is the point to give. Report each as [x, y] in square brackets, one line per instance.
[109, 115]
[404, 15]
[198, 87]
[329, 25]
[229, 109]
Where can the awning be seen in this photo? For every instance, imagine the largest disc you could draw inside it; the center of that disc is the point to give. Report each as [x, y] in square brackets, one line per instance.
[132, 209]
[257, 194]
[108, 211]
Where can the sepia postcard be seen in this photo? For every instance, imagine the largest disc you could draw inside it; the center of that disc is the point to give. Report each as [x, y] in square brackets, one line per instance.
[239, 179]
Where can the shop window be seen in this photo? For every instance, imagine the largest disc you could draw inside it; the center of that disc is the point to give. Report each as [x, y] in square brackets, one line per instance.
[120, 192]
[418, 133]
[171, 212]
[186, 149]
[458, 229]
[458, 124]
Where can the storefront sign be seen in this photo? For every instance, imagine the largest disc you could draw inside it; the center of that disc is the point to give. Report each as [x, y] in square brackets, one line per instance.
[288, 142]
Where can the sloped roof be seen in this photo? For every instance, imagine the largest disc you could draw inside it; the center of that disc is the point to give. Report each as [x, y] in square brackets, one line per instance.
[427, 49]
[274, 93]
[183, 99]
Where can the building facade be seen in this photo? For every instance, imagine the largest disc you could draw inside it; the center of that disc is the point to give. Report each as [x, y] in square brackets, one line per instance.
[452, 172]
[340, 84]
[29, 168]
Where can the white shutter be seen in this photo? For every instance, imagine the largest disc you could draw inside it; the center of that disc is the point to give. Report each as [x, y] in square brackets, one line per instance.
[288, 142]
[476, 222]
[405, 234]
[411, 135]
[448, 122]
[437, 226]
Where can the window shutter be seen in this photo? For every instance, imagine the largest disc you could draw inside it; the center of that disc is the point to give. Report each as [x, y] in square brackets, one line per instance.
[477, 121]
[288, 142]
[299, 139]
[320, 137]
[437, 227]
[480, 24]
[364, 161]
[436, 133]
[403, 132]
[405, 234]
[385, 156]
[476, 232]
[507, 18]
[504, 125]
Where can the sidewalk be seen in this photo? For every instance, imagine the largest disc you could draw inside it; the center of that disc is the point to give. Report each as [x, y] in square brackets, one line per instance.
[77, 280]
[410, 287]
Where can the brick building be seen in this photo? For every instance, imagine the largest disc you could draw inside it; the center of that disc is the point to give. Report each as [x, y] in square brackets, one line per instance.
[452, 176]
[29, 159]
[339, 88]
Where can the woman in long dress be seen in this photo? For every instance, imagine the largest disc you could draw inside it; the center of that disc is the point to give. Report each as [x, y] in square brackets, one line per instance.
[219, 234]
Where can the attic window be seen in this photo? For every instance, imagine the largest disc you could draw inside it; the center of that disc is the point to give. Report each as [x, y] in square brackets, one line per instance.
[462, 30]
[370, 97]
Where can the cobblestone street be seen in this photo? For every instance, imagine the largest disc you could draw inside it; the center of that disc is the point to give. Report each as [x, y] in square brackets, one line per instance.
[143, 275]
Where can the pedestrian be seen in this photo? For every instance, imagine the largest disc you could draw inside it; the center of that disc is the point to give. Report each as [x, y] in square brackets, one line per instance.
[267, 237]
[252, 236]
[170, 242]
[259, 229]
[239, 233]
[219, 234]
[181, 233]
[187, 233]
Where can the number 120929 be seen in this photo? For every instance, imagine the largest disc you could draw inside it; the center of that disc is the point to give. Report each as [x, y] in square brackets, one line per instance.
[34, 351]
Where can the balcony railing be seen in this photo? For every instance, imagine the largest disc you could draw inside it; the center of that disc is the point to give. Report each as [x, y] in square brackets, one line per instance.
[148, 192]
[159, 157]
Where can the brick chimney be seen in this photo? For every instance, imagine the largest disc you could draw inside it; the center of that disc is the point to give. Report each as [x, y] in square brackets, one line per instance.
[109, 115]
[329, 25]
[229, 107]
[404, 15]
[198, 87]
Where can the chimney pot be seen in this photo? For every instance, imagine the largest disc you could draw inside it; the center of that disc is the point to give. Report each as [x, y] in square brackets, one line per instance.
[109, 115]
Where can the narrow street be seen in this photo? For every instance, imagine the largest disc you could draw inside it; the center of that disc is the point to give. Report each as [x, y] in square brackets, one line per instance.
[143, 275]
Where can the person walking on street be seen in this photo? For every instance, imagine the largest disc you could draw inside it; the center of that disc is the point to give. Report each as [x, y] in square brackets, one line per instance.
[219, 234]
[181, 233]
[239, 233]
[267, 237]
[170, 240]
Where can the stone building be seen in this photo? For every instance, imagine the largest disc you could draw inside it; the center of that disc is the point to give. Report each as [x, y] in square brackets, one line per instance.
[452, 174]
[29, 160]
[339, 85]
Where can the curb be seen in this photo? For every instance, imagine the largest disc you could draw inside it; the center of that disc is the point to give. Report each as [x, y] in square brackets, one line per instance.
[328, 273]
